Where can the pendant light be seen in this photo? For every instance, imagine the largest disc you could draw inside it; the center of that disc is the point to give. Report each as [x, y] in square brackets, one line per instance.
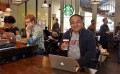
[45, 5]
[95, 1]
[8, 7]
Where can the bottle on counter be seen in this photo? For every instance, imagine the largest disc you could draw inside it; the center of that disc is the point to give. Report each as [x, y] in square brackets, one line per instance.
[30, 40]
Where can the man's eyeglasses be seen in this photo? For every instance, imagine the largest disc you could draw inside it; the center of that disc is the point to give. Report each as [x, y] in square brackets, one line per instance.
[77, 22]
[26, 22]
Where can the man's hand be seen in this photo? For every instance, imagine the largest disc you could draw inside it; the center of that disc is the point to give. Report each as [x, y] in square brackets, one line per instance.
[64, 46]
[108, 33]
[77, 64]
[29, 26]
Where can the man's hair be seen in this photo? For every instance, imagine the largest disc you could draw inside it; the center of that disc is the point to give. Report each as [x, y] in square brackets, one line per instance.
[56, 19]
[9, 19]
[78, 16]
[104, 19]
[46, 28]
[92, 20]
[31, 17]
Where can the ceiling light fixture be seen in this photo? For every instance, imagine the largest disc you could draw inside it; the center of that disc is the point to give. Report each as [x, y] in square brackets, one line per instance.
[1, 12]
[8, 7]
[45, 5]
[16, 1]
[95, 1]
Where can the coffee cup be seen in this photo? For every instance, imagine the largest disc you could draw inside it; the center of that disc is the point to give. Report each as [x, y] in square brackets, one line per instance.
[66, 41]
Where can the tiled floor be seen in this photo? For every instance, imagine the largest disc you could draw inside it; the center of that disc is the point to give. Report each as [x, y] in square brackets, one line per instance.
[111, 66]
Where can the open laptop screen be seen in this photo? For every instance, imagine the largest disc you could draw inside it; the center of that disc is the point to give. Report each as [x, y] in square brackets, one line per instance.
[11, 37]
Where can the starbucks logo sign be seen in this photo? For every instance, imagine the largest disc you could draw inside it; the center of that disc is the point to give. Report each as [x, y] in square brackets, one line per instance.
[68, 10]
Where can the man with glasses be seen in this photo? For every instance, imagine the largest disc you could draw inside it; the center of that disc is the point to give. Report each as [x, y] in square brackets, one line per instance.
[36, 32]
[81, 44]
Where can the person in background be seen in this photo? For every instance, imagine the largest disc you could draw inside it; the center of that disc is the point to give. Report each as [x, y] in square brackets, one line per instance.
[56, 26]
[92, 26]
[52, 44]
[55, 36]
[82, 44]
[116, 41]
[36, 32]
[9, 25]
[104, 34]
[117, 36]
[46, 33]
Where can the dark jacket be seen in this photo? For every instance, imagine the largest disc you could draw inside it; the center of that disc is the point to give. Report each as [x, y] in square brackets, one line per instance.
[103, 29]
[87, 45]
[13, 30]
[55, 26]
[118, 36]
[104, 37]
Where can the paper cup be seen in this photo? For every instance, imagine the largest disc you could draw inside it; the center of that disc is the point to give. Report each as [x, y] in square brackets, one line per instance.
[66, 41]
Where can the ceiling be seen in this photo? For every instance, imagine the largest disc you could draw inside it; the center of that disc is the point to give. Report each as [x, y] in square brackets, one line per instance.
[83, 3]
[105, 6]
[87, 2]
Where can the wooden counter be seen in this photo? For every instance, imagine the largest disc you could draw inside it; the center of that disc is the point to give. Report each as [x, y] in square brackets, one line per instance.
[8, 52]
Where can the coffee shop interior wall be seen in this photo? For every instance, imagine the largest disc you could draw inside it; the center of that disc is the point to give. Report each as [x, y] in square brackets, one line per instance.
[18, 11]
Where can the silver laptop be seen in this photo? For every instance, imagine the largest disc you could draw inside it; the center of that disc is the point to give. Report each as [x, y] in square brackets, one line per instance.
[63, 63]
[11, 37]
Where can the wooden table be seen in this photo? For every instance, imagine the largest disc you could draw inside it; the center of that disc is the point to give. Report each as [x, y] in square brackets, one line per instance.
[33, 65]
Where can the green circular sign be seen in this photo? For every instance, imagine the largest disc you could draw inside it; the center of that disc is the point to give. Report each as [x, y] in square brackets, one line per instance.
[68, 10]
